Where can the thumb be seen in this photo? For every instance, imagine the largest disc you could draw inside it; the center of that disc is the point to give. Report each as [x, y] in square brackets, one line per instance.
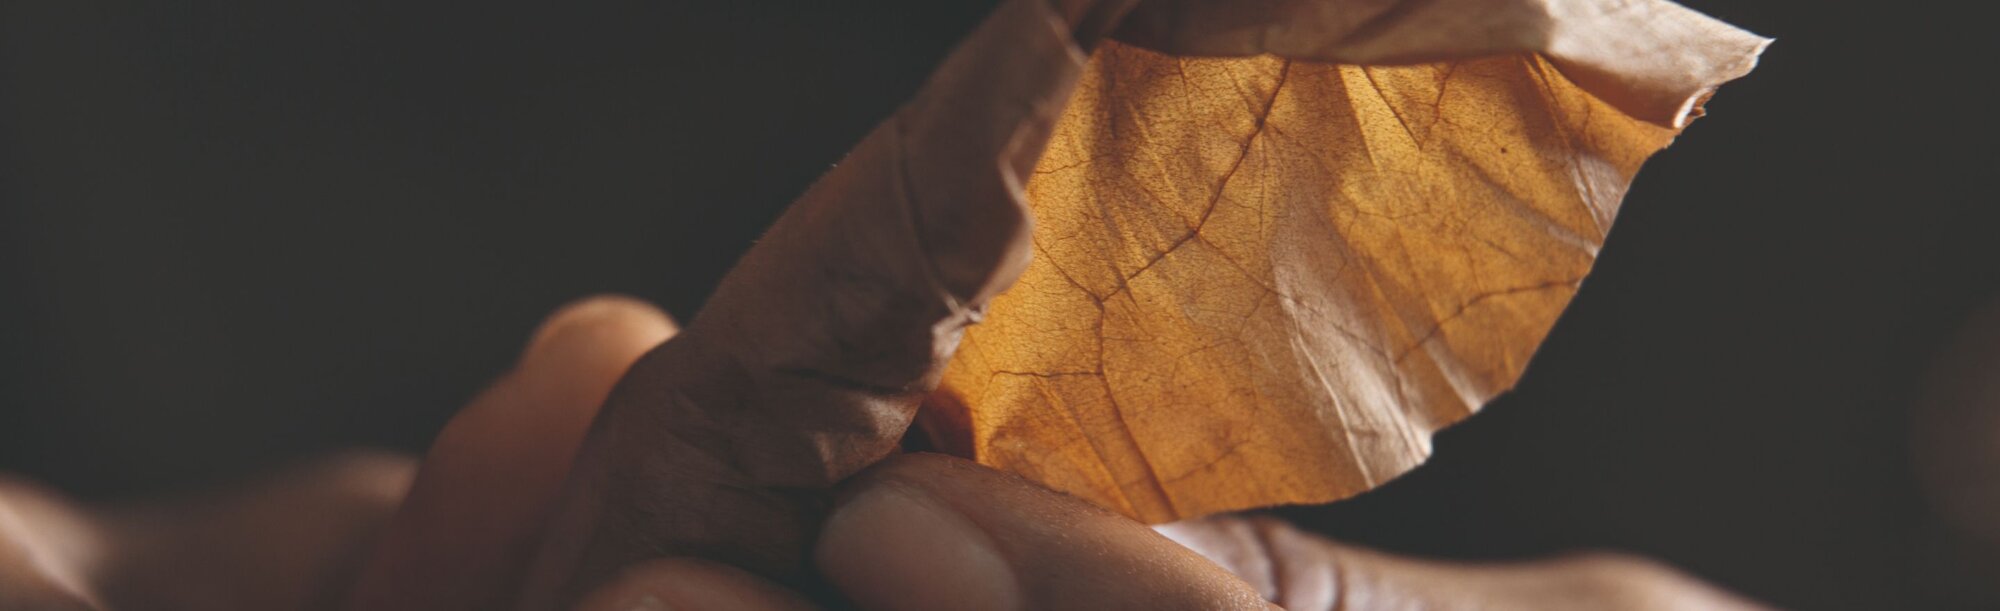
[925, 531]
[808, 361]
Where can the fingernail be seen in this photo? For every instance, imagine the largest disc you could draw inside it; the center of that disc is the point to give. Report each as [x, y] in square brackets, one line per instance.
[895, 547]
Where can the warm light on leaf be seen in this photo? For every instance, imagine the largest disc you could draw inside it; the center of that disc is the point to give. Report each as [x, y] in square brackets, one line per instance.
[1261, 281]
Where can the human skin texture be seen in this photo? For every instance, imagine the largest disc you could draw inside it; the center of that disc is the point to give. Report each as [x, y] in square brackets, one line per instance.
[809, 362]
[722, 451]
[913, 532]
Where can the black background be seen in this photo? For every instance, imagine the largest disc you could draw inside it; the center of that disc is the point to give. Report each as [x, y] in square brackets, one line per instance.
[234, 234]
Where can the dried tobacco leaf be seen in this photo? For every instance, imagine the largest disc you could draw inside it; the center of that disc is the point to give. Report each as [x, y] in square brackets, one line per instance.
[1264, 280]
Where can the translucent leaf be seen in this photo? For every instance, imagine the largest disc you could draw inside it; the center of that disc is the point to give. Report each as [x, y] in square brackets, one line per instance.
[1260, 280]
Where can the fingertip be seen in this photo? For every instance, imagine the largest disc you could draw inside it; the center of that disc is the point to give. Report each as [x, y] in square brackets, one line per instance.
[603, 308]
[369, 477]
[466, 526]
[928, 531]
[890, 546]
[684, 584]
[611, 325]
[972, 136]
[580, 351]
[47, 549]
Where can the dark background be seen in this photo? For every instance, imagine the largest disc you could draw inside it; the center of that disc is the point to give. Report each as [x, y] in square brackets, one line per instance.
[234, 234]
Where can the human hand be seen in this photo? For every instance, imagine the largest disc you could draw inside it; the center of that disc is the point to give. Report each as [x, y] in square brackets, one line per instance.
[288, 540]
[915, 532]
[932, 532]
[299, 539]
[726, 442]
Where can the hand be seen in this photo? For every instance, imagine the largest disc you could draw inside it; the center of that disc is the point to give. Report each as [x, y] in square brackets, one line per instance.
[915, 532]
[932, 532]
[296, 540]
[286, 541]
[725, 442]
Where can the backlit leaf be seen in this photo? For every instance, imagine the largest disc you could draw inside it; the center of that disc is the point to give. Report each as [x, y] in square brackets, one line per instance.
[1260, 280]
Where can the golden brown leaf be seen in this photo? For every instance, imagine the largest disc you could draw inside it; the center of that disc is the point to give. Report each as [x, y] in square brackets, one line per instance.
[1262, 280]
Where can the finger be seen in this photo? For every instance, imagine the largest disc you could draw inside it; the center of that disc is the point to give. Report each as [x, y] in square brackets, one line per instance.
[285, 541]
[970, 138]
[807, 363]
[1304, 572]
[925, 531]
[47, 548]
[682, 584]
[467, 530]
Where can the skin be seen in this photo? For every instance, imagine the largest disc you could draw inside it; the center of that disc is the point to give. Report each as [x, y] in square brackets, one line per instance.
[749, 460]
[1955, 447]
[915, 532]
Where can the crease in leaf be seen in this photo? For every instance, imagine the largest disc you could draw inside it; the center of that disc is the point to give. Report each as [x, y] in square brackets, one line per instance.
[1259, 281]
